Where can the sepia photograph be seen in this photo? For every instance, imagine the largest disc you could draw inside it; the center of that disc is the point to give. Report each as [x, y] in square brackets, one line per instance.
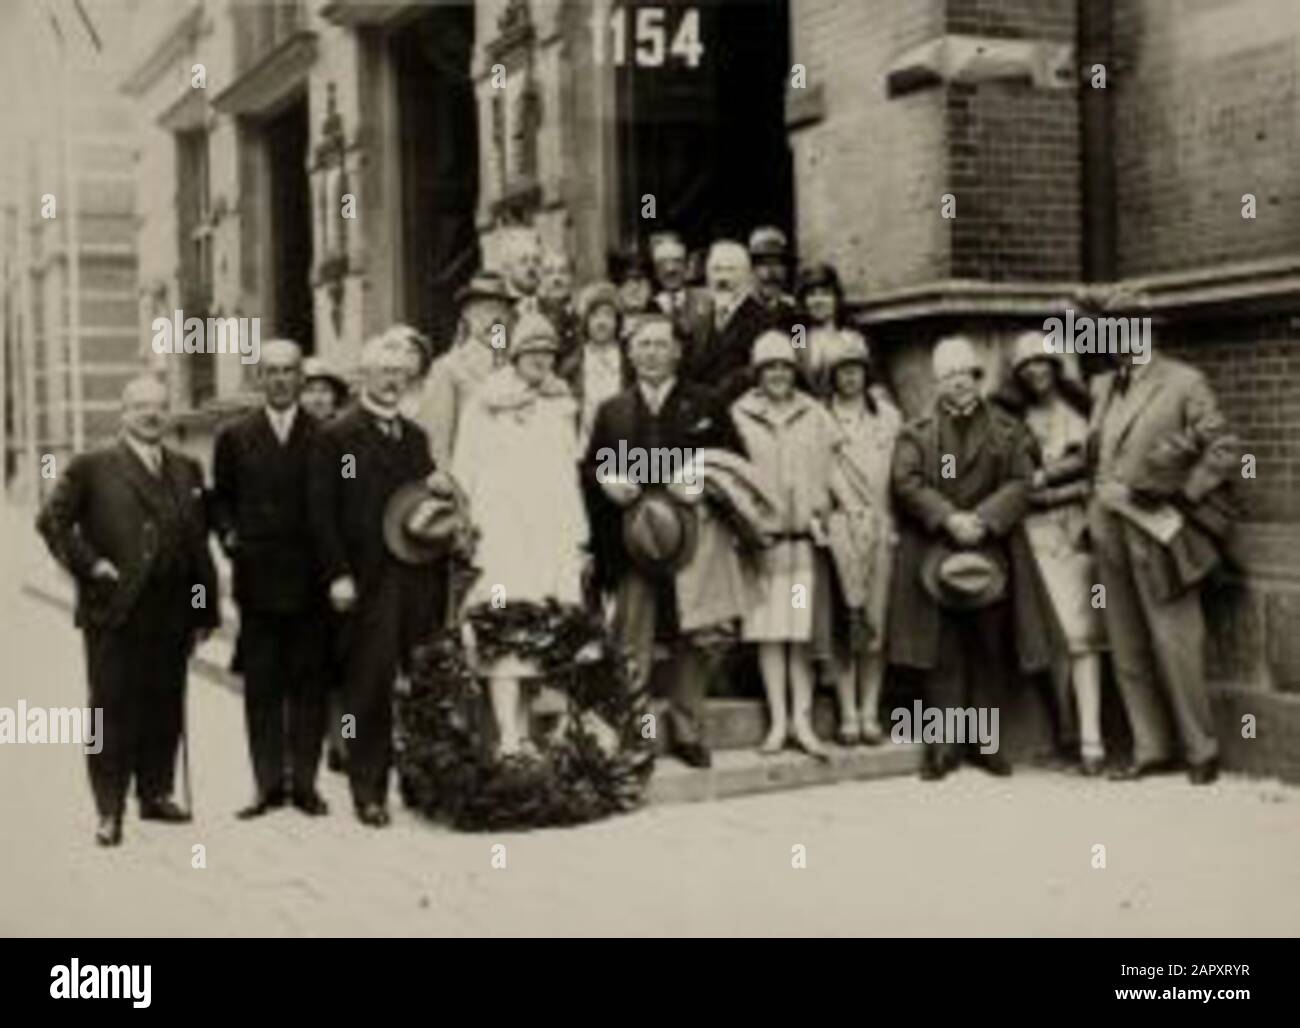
[650, 469]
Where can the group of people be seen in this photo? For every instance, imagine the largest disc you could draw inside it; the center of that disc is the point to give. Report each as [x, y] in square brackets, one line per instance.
[806, 517]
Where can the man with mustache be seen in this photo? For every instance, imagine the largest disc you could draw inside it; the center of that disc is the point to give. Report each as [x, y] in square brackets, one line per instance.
[127, 521]
[720, 348]
[384, 607]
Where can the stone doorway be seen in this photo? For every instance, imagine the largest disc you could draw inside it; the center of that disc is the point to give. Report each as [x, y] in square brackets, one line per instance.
[701, 118]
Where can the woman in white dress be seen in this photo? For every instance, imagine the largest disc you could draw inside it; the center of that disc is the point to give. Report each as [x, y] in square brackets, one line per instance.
[861, 531]
[1056, 527]
[516, 460]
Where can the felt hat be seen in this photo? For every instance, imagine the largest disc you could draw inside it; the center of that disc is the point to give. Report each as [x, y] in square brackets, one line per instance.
[771, 347]
[963, 579]
[533, 333]
[421, 525]
[1031, 346]
[486, 285]
[768, 241]
[659, 534]
[317, 368]
[955, 353]
[847, 347]
[593, 294]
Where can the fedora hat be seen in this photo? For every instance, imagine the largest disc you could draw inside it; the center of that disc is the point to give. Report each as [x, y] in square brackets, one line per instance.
[486, 285]
[963, 579]
[421, 525]
[659, 534]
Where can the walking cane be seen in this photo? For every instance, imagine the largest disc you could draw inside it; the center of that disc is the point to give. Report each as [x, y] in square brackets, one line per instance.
[185, 757]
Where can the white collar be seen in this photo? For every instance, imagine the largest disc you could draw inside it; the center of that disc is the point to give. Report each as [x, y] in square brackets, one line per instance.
[379, 410]
[656, 394]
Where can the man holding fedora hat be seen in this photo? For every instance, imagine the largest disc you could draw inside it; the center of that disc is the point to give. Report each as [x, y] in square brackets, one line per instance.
[482, 342]
[961, 478]
[385, 605]
[669, 561]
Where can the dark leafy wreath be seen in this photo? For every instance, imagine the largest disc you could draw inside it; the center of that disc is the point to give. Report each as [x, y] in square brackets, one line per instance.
[445, 762]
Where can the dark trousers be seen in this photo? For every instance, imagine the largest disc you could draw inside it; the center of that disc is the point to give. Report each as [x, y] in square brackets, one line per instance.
[284, 698]
[137, 677]
[971, 670]
[373, 655]
[643, 613]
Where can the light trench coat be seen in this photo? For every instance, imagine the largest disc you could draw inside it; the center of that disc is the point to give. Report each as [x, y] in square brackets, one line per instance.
[793, 448]
[516, 460]
[861, 528]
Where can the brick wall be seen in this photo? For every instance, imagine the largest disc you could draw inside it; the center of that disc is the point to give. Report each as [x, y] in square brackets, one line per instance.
[1254, 367]
[869, 174]
[1205, 110]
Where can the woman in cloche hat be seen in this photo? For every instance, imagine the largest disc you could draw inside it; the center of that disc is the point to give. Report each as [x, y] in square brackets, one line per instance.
[862, 533]
[1055, 412]
[791, 440]
[516, 462]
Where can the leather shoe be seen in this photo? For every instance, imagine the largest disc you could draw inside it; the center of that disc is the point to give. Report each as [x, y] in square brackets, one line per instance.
[310, 803]
[372, 814]
[1092, 767]
[1132, 771]
[163, 810]
[993, 763]
[262, 805]
[694, 754]
[109, 831]
[933, 769]
[1203, 773]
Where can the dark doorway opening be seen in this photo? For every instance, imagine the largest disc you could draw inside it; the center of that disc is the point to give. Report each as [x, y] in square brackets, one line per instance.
[286, 135]
[709, 141]
[438, 125]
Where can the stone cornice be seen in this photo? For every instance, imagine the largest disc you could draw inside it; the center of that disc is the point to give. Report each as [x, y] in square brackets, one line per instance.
[262, 88]
[178, 39]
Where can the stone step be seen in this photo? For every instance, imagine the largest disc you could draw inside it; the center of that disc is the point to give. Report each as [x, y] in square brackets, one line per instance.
[741, 772]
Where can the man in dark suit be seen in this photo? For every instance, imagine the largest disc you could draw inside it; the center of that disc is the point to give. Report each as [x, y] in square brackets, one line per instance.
[128, 522]
[696, 608]
[259, 512]
[718, 355]
[386, 607]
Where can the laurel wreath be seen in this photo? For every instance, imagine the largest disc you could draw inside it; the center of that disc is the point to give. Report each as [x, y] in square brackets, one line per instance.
[446, 767]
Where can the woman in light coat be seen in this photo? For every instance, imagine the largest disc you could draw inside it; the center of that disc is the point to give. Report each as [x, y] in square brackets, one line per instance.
[1054, 410]
[861, 532]
[791, 440]
[516, 460]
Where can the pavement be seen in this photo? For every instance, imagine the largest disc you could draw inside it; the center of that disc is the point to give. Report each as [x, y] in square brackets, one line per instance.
[970, 856]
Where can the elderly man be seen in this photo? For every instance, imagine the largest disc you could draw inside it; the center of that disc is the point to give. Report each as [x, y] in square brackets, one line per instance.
[961, 478]
[127, 521]
[385, 607]
[769, 250]
[481, 348]
[522, 263]
[555, 299]
[719, 351]
[1160, 512]
[696, 607]
[259, 511]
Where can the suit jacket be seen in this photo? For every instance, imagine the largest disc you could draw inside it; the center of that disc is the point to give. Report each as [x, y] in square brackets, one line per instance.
[690, 418]
[259, 495]
[719, 359]
[1167, 440]
[993, 469]
[347, 497]
[153, 529]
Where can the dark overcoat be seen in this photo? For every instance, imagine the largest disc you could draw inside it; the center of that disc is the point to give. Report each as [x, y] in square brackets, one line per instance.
[992, 478]
[259, 498]
[719, 358]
